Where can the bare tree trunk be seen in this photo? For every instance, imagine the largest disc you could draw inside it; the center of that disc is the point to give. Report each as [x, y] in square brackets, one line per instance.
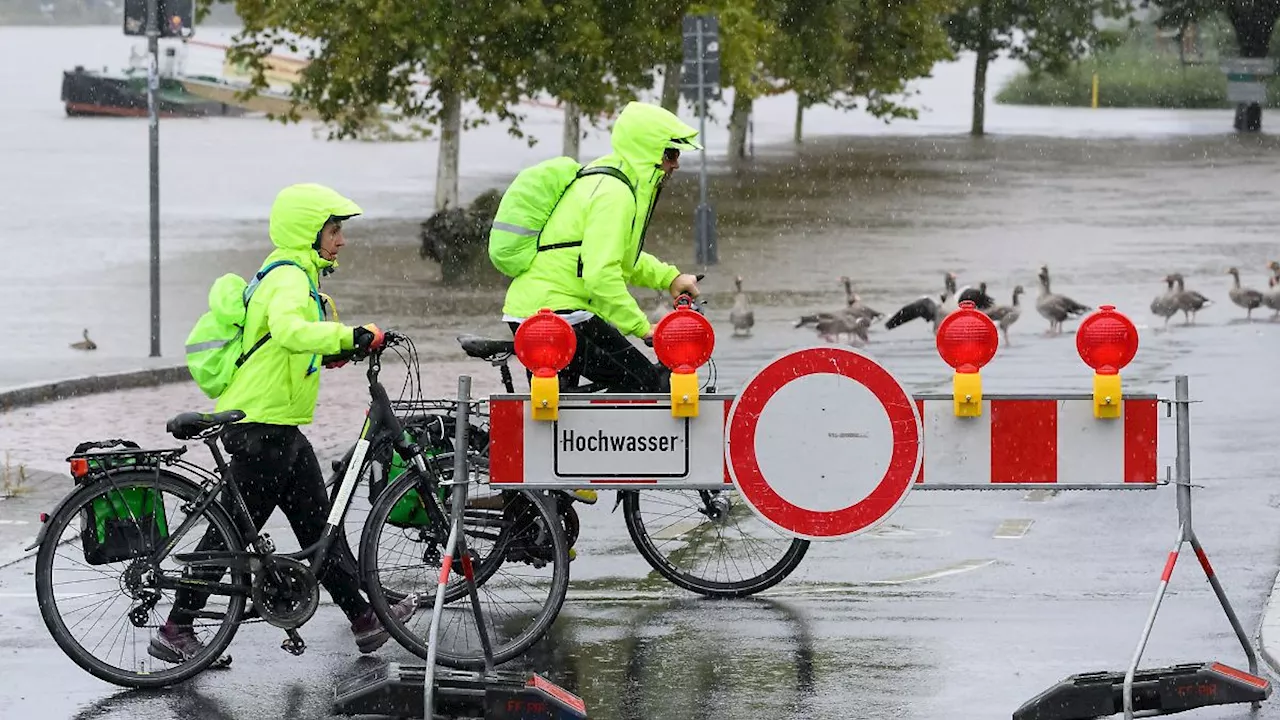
[671, 85]
[572, 129]
[738, 126]
[799, 131]
[450, 145]
[980, 73]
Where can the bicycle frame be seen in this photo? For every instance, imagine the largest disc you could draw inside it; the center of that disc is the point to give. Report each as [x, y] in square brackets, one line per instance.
[380, 423]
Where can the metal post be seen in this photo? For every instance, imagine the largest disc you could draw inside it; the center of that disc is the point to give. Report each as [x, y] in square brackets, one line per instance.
[153, 116]
[1186, 533]
[456, 543]
[461, 480]
[704, 222]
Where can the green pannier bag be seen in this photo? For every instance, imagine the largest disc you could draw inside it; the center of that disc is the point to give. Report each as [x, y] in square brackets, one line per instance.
[215, 345]
[409, 511]
[526, 207]
[121, 524]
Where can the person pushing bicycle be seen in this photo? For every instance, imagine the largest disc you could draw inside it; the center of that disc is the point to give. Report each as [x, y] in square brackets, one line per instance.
[276, 385]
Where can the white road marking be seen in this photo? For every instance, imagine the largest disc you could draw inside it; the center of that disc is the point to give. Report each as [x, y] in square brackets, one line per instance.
[1013, 529]
[15, 522]
[1040, 495]
[962, 567]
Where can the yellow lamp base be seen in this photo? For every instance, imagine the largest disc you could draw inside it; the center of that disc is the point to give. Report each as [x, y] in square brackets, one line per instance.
[684, 394]
[967, 389]
[544, 395]
[1107, 399]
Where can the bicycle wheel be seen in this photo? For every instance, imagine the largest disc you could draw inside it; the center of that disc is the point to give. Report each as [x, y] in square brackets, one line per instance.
[481, 519]
[91, 594]
[709, 542]
[528, 577]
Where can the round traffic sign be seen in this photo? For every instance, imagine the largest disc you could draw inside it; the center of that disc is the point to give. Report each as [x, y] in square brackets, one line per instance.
[823, 443]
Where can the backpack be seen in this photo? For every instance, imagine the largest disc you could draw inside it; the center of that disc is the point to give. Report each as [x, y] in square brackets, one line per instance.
[526, 207]
[215, 344]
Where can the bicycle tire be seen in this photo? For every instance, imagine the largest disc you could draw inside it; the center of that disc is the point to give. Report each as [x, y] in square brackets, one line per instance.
[442, 466]
[502, 652]
[180, 487]
[773, 575]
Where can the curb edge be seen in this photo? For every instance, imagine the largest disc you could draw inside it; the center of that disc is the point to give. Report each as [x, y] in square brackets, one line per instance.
[39, 393]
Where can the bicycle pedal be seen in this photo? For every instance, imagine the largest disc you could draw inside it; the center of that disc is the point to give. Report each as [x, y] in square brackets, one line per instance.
[294, 644]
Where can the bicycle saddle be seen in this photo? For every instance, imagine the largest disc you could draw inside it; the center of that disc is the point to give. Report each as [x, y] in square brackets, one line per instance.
[485, 348]
[187, 425]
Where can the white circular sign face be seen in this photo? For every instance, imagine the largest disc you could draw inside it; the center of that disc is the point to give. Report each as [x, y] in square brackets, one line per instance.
[824, 441]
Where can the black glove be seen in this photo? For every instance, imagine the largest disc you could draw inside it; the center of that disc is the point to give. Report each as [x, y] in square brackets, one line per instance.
[368, 337]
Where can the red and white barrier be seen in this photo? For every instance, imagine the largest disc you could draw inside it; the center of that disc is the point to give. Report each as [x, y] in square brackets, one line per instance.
[1027, 440]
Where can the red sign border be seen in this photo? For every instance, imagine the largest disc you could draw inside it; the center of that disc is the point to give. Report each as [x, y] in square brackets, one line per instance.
[904, 461]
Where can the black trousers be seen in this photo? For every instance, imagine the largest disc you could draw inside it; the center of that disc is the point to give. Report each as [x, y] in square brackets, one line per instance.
[275, 466]
[605, 355]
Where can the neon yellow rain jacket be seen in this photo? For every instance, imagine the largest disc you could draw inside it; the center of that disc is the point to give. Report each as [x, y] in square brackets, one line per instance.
[600, 211]
[279, 383]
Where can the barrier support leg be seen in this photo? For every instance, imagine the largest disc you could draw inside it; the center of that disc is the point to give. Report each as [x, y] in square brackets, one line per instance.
[456, 545]
[1186, 534]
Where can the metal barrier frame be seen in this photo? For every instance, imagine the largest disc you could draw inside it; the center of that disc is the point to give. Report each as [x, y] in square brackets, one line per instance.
[1180, 405]
[1181, 408]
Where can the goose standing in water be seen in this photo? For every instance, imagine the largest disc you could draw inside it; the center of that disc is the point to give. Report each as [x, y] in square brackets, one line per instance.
[1006, 315]
[85, 344]
[855, 306]
[1247, 298]
[1189, 302]
[1053, 307]
[831, 326]
[927, 307]
[1166, 305]
[741, 316]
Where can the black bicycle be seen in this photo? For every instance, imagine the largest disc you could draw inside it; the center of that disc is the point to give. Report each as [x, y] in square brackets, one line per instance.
[133, 509]
[705, 541]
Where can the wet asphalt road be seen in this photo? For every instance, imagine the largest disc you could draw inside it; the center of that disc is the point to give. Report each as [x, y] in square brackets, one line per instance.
[928, 617]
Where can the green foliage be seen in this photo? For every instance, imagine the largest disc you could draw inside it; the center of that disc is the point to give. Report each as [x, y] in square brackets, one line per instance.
[1047, 35]
[376, 52]
[1134, 74]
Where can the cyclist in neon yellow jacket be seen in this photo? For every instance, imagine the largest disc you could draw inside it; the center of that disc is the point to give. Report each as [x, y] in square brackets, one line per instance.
[273, 463]
[587, 284]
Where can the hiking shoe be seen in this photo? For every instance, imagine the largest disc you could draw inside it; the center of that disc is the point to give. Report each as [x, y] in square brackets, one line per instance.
[368, 629]
[174, 643]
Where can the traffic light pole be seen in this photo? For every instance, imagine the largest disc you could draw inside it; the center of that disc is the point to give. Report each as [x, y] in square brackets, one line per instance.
[153, 116]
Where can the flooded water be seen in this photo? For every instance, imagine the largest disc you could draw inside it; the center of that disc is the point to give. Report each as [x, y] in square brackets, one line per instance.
[1110, 200]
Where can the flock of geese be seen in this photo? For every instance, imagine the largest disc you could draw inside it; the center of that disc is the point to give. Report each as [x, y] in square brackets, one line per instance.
[853, 321]
[1177, 298]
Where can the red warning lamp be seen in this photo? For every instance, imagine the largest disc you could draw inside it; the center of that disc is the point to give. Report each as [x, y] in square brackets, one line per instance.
[967, 340]
[683, 342]
[545, 343]
[1107, 341]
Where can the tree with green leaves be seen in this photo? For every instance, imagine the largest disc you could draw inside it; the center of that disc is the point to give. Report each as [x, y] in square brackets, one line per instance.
[1045, 34]
[855, 54]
